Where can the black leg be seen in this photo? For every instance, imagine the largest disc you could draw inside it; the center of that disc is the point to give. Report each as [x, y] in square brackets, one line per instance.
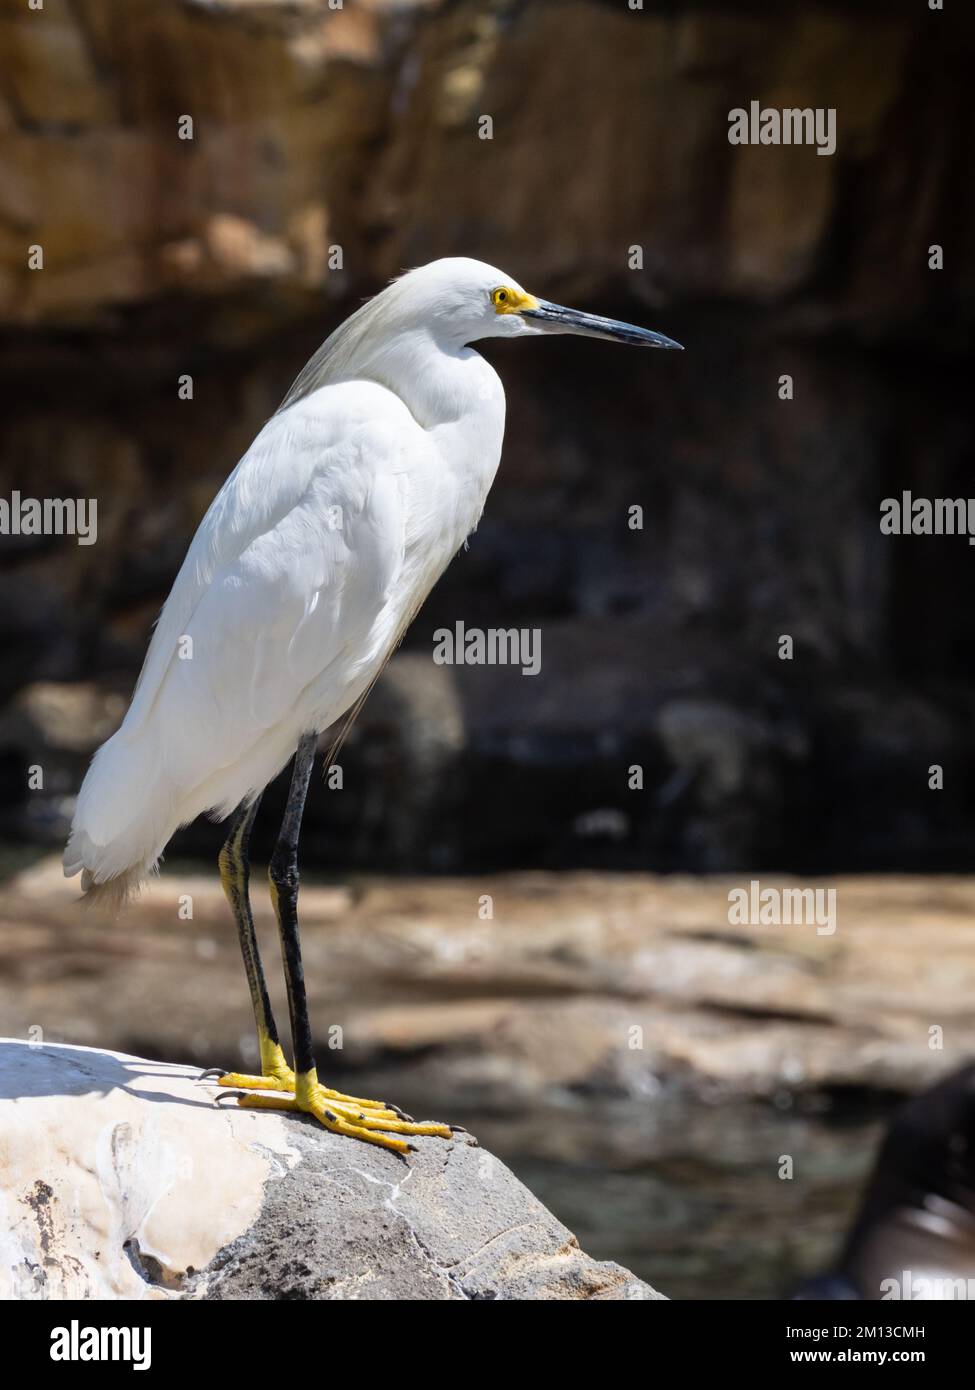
[369, 1120]
[235, 876]
[283, 873]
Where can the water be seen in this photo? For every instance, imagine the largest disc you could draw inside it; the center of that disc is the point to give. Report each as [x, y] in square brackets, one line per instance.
[695, 1198]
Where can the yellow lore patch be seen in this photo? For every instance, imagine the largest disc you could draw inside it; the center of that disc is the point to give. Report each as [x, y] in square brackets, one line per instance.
[510, 301]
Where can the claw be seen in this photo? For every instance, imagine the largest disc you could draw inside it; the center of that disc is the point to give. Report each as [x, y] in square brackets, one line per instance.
[223, 1095]
[400, 1114]
[213, 1071]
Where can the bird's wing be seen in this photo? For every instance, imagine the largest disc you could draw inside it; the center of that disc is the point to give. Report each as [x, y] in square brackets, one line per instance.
[291, 566]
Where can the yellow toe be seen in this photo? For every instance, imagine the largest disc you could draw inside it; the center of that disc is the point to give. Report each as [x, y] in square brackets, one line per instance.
[370, 1121]
[244, 1082]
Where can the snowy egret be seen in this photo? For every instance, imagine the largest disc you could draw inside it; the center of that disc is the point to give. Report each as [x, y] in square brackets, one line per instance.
[301, 580]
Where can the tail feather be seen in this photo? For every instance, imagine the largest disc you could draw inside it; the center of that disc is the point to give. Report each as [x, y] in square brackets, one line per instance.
[111, 897]
[133, 800]
[121, 825]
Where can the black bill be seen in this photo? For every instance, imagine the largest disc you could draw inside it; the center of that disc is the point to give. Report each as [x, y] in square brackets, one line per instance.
[555, 318]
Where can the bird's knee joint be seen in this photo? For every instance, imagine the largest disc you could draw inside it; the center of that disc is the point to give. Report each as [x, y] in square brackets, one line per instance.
[283, 874]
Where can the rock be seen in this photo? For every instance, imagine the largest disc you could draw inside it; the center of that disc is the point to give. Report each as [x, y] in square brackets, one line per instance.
[121, 1178]
[316, 124]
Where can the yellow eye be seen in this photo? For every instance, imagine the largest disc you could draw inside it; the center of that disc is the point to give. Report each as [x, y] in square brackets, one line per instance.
[507, 300]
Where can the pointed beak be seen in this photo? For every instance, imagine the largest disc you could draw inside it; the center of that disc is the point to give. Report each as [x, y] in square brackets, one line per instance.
[554, 318]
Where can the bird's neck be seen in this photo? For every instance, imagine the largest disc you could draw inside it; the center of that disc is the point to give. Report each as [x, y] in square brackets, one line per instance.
[441, 384]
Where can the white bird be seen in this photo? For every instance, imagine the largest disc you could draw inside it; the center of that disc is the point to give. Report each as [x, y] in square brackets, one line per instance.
[301, 580]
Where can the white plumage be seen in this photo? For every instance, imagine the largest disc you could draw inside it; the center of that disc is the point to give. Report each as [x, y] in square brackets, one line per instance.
[312, 560]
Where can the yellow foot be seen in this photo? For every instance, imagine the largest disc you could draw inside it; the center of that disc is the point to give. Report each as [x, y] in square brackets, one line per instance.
[283, 1079]
[275, 1075]
[372, 1121]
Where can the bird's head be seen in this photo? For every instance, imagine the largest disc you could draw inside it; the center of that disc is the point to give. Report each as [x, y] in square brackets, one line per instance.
[455, 301]
[466, 300]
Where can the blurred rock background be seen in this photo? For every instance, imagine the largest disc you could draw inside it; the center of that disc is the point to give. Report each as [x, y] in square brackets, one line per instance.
[356, 128]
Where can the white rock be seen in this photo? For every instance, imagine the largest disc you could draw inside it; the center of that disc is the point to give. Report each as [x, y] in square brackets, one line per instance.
[121, 1178]
[108, 1163]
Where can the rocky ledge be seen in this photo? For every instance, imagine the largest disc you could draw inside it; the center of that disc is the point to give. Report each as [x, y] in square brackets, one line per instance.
[123, 1179]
